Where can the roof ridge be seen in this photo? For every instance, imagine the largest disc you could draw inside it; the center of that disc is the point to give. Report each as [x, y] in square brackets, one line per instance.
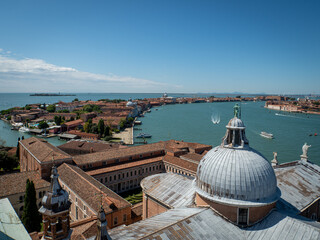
[95, 187]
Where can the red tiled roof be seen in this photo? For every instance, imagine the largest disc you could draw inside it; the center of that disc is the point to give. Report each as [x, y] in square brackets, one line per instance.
[88, 189]
[43, 150]
[124, 166]
[113, 154]
[191, 166]
[14, 183]
[73, 123]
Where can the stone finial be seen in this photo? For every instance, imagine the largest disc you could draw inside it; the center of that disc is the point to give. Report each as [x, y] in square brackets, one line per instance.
[274, 161]
[304, 155]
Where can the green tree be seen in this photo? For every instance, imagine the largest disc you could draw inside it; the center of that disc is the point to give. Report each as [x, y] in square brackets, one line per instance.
[101, 127]
[107, 131]
[94, 129]
[27, 107]
[8, 163]
[72, 118]
[96, 108]
[51, 108]
[18, 149]
[87, 108]
[58, 120]
[43, 125]
[31, 218]
[87, 126]
[122, 123]
[75, 100]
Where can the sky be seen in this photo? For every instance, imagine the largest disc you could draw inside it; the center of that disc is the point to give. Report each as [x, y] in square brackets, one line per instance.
[160, 46]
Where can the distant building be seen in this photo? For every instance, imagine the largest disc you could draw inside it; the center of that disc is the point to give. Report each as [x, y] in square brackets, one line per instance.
[72, 125]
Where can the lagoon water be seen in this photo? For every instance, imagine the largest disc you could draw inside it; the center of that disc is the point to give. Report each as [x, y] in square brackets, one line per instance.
[192, 122]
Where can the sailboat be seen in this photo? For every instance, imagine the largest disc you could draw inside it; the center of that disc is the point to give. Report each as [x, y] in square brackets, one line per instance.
[215, 118]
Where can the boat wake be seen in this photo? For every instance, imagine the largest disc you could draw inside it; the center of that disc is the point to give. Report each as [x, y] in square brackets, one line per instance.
[215, 118]
[283, 115]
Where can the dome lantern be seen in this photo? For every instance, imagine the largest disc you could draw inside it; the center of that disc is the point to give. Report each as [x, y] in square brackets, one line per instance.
[235, 136]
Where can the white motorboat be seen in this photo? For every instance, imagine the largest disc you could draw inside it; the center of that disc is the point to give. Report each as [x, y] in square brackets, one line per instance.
[266, 135]
[24, 129]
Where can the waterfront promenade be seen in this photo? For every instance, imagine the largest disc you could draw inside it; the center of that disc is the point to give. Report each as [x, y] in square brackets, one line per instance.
[126, 136]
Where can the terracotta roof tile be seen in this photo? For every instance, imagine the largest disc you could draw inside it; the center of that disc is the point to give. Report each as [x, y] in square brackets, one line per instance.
[123, 166]
[14, 183]
[88, 189]
[112, 154]
[181, 163]
[43, 150]
[85, 147]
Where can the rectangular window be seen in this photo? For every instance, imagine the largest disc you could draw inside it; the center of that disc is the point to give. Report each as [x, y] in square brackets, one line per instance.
[115, 221]
[114, 177]
[243, 216]
[124, 217]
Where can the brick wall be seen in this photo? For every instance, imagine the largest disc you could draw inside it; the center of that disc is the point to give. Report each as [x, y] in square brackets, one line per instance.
[151, 207]
[231, 212]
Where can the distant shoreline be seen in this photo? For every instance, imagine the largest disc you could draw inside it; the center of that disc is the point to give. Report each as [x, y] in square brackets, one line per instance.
[50, 94]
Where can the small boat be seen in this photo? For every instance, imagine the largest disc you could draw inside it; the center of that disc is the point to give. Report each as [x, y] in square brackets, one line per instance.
[266, 135]
[149, 111]
[137, 128]
[137, 122]
[24, 129]
[144, 135]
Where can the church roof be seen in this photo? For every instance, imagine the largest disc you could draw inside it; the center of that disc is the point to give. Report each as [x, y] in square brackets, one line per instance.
[204, 223]
[236, 176]
[170, 189]
[299, 184]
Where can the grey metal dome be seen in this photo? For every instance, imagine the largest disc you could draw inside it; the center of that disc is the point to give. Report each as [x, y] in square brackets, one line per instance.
[234, 173]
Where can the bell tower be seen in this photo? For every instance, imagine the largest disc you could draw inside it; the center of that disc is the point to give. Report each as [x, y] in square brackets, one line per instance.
[55, 210]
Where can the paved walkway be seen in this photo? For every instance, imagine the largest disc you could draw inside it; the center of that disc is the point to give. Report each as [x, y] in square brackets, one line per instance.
[126, 136]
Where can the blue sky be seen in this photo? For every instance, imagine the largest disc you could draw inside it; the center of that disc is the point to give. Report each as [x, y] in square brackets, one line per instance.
[160, 46]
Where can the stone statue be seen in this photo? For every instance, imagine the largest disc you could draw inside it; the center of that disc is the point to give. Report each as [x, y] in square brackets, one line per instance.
[275, 156]
[237, 111]
[305, 150]
[274, 161]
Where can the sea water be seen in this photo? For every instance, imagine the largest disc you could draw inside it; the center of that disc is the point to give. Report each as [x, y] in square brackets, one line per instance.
[192, 123]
